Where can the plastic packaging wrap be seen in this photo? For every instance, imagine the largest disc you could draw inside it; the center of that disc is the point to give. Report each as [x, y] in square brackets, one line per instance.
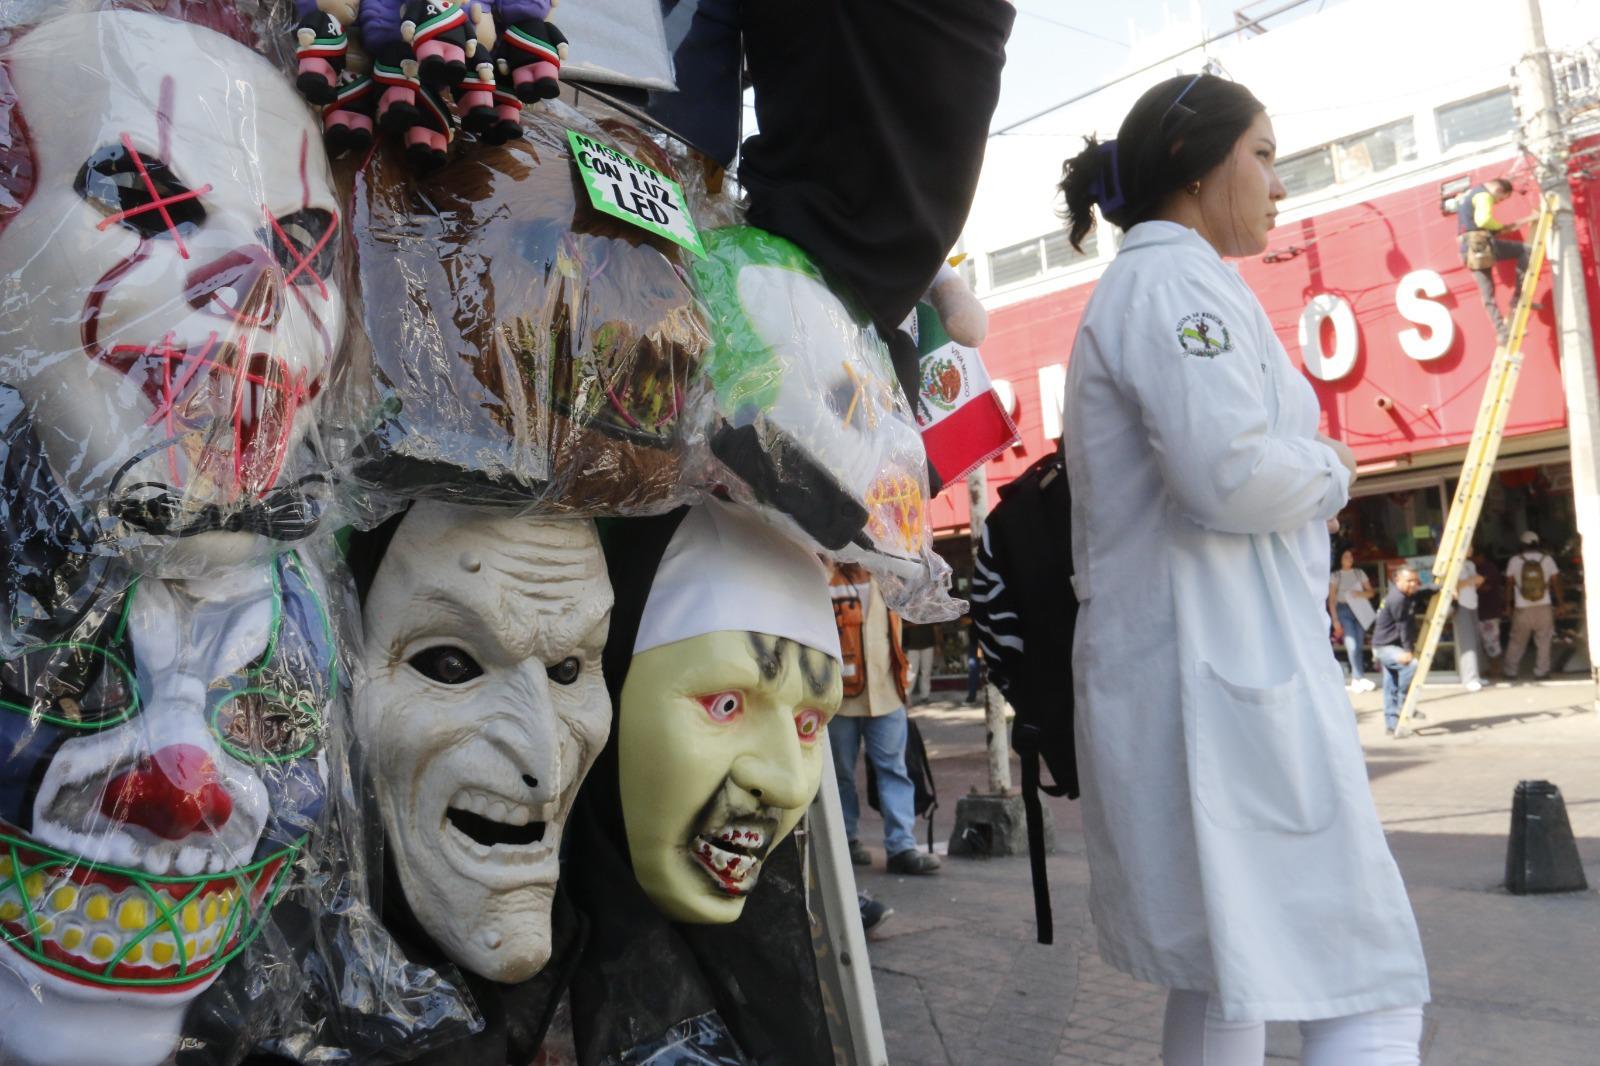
[175, 296]
[520, 346]
[160, 776]
[806, 423]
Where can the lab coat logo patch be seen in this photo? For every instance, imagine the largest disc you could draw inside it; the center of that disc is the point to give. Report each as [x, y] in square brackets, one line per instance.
[1203, 334]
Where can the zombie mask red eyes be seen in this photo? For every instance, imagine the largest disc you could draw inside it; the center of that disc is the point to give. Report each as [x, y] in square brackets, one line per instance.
[178, 260]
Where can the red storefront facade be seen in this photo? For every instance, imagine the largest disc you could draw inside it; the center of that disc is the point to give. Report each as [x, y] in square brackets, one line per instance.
[1360, 255]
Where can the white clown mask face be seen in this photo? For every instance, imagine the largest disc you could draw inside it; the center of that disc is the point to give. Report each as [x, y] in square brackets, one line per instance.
[173, 302]
[482, 710]
[159, 770]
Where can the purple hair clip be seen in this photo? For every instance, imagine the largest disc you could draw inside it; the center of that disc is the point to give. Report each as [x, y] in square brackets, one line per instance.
[1107, 194]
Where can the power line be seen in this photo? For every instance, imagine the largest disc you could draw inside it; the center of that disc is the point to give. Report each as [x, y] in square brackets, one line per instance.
[1074, 29]
[1008, 127]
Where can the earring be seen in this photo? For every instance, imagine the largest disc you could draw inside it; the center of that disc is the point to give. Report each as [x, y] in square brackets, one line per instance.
[1193, 188]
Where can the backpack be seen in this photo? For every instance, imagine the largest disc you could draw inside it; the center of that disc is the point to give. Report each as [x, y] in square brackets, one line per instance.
[920, 770]
[1530, 580]
[1024, 613]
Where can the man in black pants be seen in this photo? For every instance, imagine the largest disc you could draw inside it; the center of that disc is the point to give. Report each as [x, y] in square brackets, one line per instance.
[1482, 247]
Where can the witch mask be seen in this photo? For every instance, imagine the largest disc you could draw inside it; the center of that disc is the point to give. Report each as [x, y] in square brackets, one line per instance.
[734, 676]
[159, 770]
[174, 301]
[482, 710]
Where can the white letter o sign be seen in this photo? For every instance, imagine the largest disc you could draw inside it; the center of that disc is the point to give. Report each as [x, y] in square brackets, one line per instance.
[1321, 364]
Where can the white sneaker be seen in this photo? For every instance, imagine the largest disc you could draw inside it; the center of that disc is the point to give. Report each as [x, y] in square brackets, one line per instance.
[1473, 686]
[1365, 685]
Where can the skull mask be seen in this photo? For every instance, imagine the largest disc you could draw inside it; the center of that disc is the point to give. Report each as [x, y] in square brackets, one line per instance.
[807, 381]
[159, 770]
[173, 299]
[483, 708]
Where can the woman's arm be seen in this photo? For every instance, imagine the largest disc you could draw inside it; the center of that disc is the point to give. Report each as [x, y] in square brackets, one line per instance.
[1206, 416]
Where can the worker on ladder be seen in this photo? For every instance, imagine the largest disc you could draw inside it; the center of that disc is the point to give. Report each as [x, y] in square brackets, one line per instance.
[1482, 247]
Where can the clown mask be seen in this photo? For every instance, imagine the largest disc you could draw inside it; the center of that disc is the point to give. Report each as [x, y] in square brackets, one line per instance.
[734, 676]
[159, 771]
[173, 301]
[483, 708]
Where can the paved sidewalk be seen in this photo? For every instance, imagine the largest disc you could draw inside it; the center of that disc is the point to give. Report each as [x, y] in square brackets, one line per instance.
[961, 981]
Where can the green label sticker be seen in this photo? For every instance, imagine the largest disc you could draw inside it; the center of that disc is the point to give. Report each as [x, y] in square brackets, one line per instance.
[625, 188]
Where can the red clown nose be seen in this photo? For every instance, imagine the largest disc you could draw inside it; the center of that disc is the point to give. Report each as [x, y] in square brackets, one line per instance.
[174, 792]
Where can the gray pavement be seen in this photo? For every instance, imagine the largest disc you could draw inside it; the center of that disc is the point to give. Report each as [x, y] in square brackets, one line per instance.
[1516, 980]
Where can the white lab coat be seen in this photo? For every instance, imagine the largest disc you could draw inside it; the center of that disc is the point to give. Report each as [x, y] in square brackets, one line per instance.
[1233, 843]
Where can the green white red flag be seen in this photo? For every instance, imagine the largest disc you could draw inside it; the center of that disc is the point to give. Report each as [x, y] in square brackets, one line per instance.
[963, 422]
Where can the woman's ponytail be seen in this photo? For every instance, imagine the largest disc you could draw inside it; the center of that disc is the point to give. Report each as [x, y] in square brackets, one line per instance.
[1081, 187]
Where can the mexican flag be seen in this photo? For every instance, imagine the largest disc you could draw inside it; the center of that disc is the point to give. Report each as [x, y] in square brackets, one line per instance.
[962, 421]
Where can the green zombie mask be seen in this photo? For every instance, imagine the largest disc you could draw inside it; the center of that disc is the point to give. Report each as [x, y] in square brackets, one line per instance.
[159, 771]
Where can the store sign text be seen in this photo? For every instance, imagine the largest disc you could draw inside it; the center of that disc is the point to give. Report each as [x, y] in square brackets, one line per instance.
[1430, 336]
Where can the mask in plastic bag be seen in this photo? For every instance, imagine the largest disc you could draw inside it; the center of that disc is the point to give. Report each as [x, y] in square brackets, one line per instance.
[160, 770]
[482, 709]
[174, 296]
[526, 348]
[809, 421]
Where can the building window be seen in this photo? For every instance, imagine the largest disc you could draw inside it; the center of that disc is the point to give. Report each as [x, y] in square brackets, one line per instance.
[1483, 118]
[1375, 151]
[1306, 172]
[1058, 250]
[1017, 263]
[1032, 258]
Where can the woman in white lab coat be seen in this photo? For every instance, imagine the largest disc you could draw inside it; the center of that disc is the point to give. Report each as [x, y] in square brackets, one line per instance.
[1236, 855]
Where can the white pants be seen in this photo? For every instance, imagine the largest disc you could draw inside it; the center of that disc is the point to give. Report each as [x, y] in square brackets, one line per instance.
[1196, 1035]
[921, 660]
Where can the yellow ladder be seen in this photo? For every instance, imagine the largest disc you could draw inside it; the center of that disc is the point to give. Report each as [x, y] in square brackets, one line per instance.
[1455, 544]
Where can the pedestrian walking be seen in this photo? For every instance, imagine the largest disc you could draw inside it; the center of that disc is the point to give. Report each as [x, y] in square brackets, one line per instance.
[1491, 611]
[1394, 637]
[1228, 820]
[1532, 579]
[1350, 606]
[919, 642]
[1466, 626]
[873, 714]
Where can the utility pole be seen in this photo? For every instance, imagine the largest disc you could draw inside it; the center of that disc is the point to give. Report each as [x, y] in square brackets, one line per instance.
[994, 705]
[1545, 136]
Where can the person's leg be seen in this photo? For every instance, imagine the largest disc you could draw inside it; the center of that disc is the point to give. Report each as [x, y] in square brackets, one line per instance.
[1387, 656]
[923, 660]
[897, 796]
[1194, 1034]
[844, 737]
[1467, 646]
[1517, 250]
[972, 677]
[1353, 635]
[1517, 643]
[1544, 632]
[1403, 677]
[1485, 280]
[1378, 1038]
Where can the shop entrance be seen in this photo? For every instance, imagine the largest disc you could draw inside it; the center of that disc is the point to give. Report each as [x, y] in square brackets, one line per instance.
[1397, 521]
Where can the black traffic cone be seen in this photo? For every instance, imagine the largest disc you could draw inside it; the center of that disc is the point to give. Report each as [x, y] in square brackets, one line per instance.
[1541, 855]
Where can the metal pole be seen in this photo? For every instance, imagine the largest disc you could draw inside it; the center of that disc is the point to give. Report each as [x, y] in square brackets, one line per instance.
[994, 704]
[1546, 139]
